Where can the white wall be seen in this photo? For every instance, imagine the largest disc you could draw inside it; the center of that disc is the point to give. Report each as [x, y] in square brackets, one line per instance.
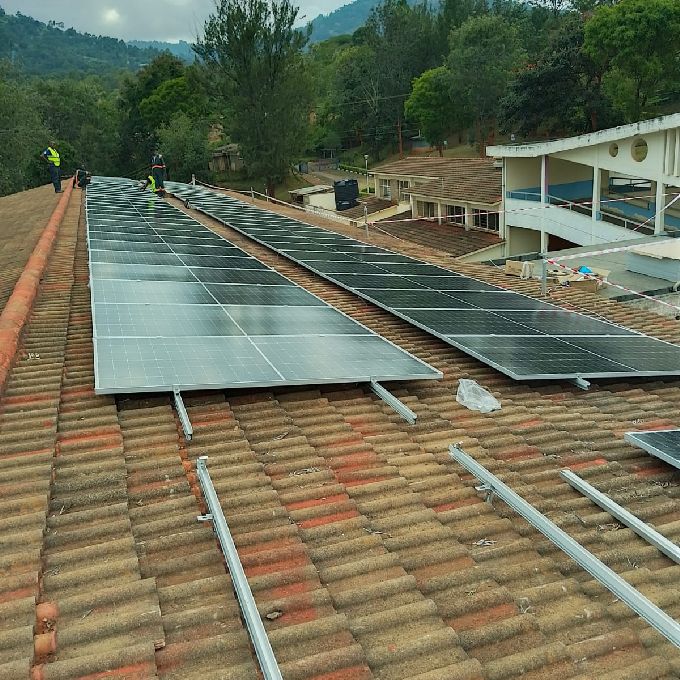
[561, 222]
[522, 173]
[521, 240]
[326, 201]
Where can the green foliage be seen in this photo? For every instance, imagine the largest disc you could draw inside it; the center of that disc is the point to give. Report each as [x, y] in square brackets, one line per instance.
[185, 148]
[21, 134]
[137, 129]
[561, 93]
[255, 53]
[433, 108]
[83, 116]
[636, 43]
[485, 54]
[48, 49]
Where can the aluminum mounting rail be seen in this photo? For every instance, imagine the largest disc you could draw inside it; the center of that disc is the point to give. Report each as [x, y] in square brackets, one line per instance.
[182, 414]
[404, 411]
[656, 617]
[642, 529]
[258, 635]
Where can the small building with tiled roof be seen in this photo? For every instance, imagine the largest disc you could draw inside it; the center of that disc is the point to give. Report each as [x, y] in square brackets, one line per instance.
[465, 191]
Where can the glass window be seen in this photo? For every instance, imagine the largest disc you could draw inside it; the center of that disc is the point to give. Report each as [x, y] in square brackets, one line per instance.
[385, 190]
[403, 184]
[483, 219]
[455, 213]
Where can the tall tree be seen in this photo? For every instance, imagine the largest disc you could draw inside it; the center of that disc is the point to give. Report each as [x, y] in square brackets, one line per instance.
[432, 106]
[559, 94]
[184, 141]
[403, 41]
[22, 138]
[485, 52]
[138, 131]
[253, 47]
[636, 42]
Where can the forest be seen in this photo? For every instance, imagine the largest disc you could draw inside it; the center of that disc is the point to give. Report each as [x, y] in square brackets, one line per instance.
[468, 72]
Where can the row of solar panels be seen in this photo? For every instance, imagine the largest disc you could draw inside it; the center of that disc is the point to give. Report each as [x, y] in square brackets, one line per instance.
[175, 305]
[520, 336]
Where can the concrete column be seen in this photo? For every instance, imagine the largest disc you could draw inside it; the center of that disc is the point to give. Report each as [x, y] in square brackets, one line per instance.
[544, 241]
[501, 207]
[545, 179]
[597, 190]
[439, 212]
[660, 212]
[412, 201]
[469, 217]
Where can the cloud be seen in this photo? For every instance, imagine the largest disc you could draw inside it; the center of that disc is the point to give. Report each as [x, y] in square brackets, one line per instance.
[111, 16]
[170, 20]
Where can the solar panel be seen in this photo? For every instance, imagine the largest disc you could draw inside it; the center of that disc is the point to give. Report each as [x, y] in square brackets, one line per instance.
[520, 336]
[664, 444]
[171, 310]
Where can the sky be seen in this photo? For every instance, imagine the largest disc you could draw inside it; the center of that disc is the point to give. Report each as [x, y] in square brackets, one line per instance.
[169, 20]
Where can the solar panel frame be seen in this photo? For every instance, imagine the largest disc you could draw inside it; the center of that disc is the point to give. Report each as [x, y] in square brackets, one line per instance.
[663, 444]
[567, 342]
[156, 302]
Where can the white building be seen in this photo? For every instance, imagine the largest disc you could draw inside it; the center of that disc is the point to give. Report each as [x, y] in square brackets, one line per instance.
[594, 188]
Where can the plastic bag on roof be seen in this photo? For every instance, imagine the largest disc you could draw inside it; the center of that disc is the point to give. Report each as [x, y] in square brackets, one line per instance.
[473, 396]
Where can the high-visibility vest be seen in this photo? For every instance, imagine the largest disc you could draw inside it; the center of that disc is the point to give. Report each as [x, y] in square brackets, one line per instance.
[152, 183]
[53, 156]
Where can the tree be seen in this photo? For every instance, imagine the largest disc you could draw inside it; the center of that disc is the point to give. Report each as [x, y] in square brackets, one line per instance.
[561, 93]
[253, 47]
[185, 147]
[22, 138]
[138, 132]
[403, 42]
[485, 52]
[636, 43]
[432, 107]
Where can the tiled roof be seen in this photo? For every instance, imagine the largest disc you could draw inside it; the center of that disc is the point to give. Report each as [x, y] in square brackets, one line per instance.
[373, 203]
[369, 553]
[455, 179]
[447, 237]
[23, 217]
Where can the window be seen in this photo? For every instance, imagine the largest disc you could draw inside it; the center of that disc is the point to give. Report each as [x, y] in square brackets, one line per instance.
[403, 184]
[385, 189]
[613, 149]
[483, 219]
[426, 209]
[455, 213]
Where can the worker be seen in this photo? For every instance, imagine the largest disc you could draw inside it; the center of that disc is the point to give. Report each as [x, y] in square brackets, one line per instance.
[158, 169]
[82, 177]
[151, 185]
[51, 156]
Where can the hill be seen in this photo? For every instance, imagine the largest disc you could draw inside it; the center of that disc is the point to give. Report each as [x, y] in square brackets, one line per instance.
[181, 49]
[50, 49]
[346, 19]
[342, 21]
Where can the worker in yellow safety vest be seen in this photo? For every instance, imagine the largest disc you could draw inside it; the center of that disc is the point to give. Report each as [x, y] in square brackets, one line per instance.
[150, 184]
[51, 156]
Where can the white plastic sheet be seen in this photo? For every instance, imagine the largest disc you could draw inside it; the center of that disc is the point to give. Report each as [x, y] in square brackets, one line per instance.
[473, 396]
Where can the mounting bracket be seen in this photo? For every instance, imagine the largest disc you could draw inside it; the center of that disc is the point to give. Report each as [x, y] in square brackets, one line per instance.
[403, 410]
[183, 415]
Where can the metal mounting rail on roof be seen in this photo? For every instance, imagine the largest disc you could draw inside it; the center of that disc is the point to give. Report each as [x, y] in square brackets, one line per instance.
[656, 617]
[641, 528]
[404, 411]
[258, 635]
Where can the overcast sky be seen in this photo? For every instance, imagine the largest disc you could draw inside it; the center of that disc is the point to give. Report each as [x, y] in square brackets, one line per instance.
[170, 20]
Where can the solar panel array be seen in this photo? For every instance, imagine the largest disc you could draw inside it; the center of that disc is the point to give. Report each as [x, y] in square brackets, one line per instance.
[664, 444]
[176, 305]
[520, 336]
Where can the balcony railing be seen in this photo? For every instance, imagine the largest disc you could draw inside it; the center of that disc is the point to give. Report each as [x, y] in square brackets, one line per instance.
[579, 207]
